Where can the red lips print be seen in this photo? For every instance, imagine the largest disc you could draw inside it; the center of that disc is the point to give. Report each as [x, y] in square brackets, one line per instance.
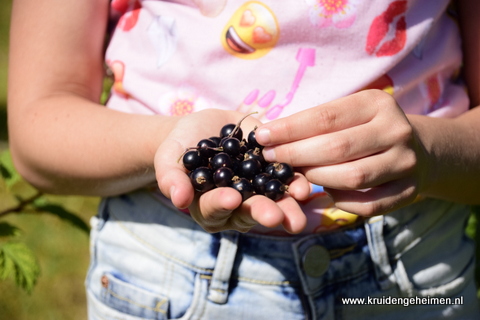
[130, 10]
[376, 40]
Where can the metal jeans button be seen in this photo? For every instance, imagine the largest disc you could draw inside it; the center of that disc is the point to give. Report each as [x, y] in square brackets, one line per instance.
[316, 261]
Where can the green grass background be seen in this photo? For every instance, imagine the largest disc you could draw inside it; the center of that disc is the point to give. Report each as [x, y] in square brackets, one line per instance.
[61, 249]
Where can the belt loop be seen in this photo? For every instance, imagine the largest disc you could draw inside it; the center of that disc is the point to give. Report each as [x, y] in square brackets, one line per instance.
[218, 291]
[378, 251]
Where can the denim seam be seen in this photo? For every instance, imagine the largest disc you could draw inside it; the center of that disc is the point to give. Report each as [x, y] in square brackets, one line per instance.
[275, 283]
[166, 255]
[156, 309]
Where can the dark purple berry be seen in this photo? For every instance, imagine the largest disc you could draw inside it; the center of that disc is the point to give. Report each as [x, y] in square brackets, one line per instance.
[274, 189]
[255, 154]
[216, 140]
[283, 172]
[243, 186]
[231, 146]
[228, 129]
[223, 177]
[221, 160]
[192, 160]
[243, 146]
[202, 179]
[252, 141]
[270, 168]
[206, 147]
[259, 182]
[250, 168]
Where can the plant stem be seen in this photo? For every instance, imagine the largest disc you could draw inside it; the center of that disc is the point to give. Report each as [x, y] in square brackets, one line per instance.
[19, 207]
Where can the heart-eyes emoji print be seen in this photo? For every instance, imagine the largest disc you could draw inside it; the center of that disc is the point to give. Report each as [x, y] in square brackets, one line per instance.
[251, 32]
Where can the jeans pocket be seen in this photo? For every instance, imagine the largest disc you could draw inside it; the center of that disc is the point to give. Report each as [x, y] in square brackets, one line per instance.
[129, 299]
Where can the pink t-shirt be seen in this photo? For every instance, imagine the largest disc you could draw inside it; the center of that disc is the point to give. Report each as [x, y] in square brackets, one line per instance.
[280, 57]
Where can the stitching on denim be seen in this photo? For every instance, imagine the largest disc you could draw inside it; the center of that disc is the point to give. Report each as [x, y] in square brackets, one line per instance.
[156, 250]
[276, 283]
[156, 309]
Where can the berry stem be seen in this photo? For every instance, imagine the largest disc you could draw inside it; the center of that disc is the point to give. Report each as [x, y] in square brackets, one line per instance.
[239, 123]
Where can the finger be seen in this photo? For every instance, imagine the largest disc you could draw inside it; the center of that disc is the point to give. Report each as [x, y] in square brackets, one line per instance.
[333, 116]
[300, 187]
[366, 172]
[375, 201]
[172, 178]
[294, 218]
[262, 210]
[336, 147]
[213, 209]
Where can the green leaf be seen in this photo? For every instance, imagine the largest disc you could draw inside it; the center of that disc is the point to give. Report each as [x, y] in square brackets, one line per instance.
[17, 260]
[9, 173]
[4, 172]
[62, 213]
[8, 230]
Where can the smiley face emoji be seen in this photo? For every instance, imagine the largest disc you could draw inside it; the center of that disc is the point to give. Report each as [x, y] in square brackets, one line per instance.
[251, 32]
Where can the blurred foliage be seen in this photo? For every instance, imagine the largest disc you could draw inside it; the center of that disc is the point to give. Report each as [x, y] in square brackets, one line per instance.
[18, 197]
[44, 251]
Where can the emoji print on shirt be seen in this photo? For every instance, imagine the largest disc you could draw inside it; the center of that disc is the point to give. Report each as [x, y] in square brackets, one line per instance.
[251, 32]
[336, 13]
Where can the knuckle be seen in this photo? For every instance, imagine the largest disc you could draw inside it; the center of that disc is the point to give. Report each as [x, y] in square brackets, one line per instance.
[371, 209]
[357, 178]
[339, 149]
[404, 132]
[325, 118]
[410, 160]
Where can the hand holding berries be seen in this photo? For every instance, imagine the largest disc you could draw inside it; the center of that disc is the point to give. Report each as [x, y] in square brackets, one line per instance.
[221, 208]
[246, 165]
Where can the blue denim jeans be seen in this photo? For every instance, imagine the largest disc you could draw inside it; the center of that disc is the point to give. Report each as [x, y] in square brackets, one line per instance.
[151, 262]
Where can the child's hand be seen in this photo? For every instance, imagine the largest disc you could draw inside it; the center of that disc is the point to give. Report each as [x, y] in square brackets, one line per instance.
[221, 208]
[361, 148]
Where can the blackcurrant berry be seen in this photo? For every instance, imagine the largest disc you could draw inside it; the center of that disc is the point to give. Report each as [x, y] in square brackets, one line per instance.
[274, 189]
[250, 168]
[216, 140]
[202, 179]
[228, 129]
[252, 141]
[206, 147]
[243, 146]
[192, 160]
[259, 182]
[221, 160]
[270, 168]
[243, 186]
[231, 146]
[283, 172]
[255, 154]
[223, 177]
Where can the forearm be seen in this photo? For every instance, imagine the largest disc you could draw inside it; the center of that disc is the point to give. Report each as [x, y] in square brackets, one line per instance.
[452, 149]
[67, 144]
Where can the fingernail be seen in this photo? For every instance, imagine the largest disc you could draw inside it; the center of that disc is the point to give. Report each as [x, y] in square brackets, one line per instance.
[263, 136]
[172, 191]
[269, 154]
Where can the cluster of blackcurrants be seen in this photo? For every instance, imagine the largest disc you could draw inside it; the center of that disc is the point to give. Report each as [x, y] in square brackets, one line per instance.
[229, 160]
